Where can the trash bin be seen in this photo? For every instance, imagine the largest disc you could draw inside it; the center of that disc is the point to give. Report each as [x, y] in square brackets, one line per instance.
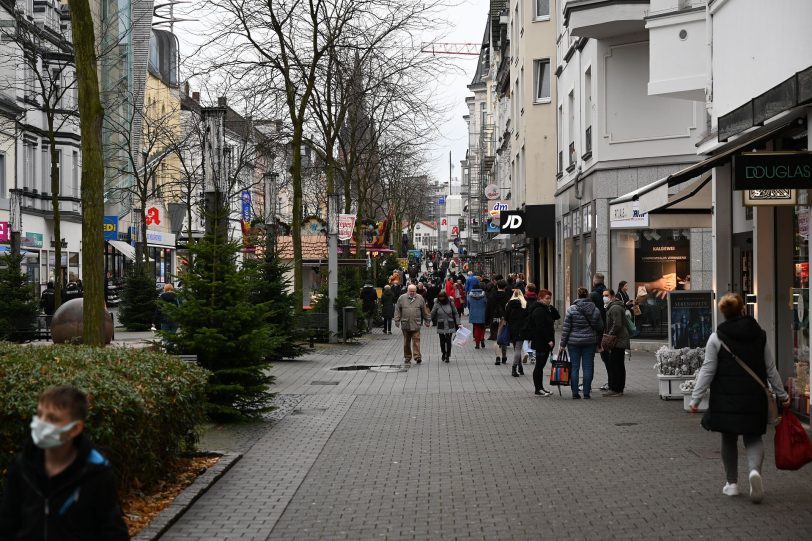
[350, 319]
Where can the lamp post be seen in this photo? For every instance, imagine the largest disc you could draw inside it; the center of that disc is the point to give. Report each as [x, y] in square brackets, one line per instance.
[332, 264]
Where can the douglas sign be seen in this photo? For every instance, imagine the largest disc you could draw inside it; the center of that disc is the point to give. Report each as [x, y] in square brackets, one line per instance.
[771, 170]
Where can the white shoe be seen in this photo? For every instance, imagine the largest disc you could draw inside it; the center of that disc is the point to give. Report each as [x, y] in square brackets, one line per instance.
[731, 489]
[756, 487]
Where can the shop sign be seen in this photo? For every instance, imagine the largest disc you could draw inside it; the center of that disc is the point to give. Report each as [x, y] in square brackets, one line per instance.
[769, 198]
[627, 216]
[246, 206]
[771, 170]
[690, 318]
[455, 231]
[511, 222]
[159, 238]
[346, 225]
[32, 240]
[492, 192]
[803, 223]
[443, 224]
[5, 234]
[110, 227]
[497, 208]
[441, 201]
[493, 227]
[153, 216]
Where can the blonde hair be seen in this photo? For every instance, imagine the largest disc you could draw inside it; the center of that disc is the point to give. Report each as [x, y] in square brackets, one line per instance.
[517, 294]
[168, 287]
[731, 305]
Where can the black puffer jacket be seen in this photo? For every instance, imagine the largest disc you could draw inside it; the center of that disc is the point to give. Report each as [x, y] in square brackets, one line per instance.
[738, 404]
[516, 317]
[79, 504]
[495, 308]
[541, 326]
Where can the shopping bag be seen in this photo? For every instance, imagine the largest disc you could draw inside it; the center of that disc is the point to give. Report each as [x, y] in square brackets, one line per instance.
[462, 337]
[526, 349]
[560, 369]
[793, 448]
[630, 326]
[503, 338]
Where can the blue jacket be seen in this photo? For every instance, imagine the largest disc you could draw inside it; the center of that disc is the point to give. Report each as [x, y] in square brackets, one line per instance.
[477, 304]
[471, 283]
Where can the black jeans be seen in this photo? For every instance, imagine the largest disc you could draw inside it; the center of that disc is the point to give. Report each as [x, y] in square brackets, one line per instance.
[538, 372]
[616, 366]
[605, 358]
[387, 324]
[445, 345]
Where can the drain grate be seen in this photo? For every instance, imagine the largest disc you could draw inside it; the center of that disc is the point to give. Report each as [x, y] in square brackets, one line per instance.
[320, 382]
[389, 368]
[308, 411]
[626, 424]
[352, 367]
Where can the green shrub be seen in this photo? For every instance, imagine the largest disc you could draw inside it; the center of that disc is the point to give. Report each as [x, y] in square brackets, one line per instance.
[17, 307]
[144, 405]
[137, 308]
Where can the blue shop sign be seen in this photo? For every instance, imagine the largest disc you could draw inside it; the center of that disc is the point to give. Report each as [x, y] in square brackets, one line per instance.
[110, 228]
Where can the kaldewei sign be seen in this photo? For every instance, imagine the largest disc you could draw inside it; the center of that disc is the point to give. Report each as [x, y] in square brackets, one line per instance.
[771, 170]
[492, 191]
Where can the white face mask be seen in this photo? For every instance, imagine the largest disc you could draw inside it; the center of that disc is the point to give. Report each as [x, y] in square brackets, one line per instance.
[606, 301]
[47, 435]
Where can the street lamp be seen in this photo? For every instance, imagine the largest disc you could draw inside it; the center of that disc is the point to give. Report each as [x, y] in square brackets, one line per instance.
[333, 200]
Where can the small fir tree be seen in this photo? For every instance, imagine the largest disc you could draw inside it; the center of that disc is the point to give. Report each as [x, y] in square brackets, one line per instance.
[228, 333]
[268, 285]
[137, 308]
[17, 305]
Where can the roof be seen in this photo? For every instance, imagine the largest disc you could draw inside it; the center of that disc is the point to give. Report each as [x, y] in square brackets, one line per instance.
[483, 63]
[313, 247]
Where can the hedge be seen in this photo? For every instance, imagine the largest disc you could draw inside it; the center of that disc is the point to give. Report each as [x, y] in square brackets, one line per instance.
[145, 406]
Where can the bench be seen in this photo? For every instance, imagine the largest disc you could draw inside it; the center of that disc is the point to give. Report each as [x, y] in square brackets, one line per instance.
[314, 325]
[40, 329]
[187, 358]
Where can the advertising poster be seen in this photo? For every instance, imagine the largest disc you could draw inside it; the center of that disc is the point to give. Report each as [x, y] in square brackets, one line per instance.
[690, 318]
[346, 226]
[5, 234]
[662, 263]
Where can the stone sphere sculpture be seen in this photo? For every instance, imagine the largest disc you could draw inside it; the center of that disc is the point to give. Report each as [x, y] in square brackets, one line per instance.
[66, 325]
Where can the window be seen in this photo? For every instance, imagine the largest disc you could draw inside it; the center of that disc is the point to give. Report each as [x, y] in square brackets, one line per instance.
[542, 81]
[75, 180]
[542, 9]
[46, 170]
[28, 171]
[59, 172]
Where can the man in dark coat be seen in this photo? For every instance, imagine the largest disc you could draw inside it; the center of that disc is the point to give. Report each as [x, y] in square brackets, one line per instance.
[369, 302]
[47, 300]
[541, 333]
[60, 487]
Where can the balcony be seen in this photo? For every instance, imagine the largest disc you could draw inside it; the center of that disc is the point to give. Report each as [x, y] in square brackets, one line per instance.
[602, 19]
[677, 67]
[34, 202]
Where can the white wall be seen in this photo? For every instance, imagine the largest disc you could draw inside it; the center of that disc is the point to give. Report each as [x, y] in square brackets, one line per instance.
[678, 66]
[757, 45]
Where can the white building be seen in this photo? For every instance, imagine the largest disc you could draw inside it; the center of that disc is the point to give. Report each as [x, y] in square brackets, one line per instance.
[749, 65]
[425, 235]
[616, 135]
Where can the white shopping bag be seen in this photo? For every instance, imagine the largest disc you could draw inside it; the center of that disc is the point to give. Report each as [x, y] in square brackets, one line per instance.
[527, 349]
[463, 335]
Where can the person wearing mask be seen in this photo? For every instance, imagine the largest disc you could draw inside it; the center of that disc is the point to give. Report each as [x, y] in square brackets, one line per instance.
[738, 403]
[516, 318]
[477, 307]
[387, 308]
[622, 294]
[445, 317]
[495, 313]
[616, 326]
[541, 320]
[410, 314]
[369, 303]
[580, 335]
[60, 470]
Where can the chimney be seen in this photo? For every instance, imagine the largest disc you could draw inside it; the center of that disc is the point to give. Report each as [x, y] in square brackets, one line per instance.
[221, 102]
[196, 96]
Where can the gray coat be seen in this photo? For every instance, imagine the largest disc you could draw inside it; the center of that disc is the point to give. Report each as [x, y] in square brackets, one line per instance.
[616, 323]
[410, 314]
[447, 317]
[582, 324]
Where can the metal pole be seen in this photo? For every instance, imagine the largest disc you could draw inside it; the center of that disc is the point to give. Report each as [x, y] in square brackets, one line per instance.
[332, 266]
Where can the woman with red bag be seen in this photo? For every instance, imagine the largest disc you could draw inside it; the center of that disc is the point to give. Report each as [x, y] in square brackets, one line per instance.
[738, 403]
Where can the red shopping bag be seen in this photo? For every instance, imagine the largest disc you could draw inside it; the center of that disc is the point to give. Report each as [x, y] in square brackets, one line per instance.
[793, 448]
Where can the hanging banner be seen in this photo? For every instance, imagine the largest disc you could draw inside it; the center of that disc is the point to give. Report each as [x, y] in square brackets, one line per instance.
[245, 197]
[346, 225]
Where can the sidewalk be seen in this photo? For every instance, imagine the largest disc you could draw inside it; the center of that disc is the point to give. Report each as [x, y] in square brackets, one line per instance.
[465, 451]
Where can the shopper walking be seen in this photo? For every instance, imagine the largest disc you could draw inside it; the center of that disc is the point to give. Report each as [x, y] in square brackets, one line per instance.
[541, 320]
[410, 314]
[738, 403]
[516, 318]
[579, 336]
[477, 308]
[459, 296]
[446, 318]
[369, 303]
[495, 313]
[387, 308]
[616, 362]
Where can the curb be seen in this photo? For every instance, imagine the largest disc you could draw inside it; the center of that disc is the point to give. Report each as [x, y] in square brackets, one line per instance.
[169, 516]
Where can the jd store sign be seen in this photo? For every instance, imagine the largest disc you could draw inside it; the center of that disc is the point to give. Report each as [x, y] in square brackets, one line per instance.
[771, 170]
[512, 222]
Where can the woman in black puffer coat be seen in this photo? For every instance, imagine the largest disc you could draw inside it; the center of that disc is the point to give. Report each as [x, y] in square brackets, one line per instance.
[516, 318]
[738, 403]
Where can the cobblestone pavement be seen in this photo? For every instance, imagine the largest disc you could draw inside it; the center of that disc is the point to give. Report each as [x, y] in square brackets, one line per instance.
[465, 451]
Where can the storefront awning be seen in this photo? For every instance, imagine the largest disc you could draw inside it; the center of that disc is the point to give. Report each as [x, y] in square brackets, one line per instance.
[502, 236]
[656, 196]
[690, 207]
[124, 248]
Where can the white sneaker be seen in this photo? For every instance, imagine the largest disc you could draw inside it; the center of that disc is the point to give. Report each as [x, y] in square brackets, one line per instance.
[756, 487]
[731, 489]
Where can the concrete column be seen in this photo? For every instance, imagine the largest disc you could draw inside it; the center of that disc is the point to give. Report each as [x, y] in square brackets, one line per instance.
[784, 277]
[722, 232]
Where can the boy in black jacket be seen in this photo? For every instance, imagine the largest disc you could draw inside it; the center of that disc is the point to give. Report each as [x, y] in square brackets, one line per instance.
[60, 487]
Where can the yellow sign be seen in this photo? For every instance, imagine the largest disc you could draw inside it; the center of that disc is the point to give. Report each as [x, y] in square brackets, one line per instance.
[404, 262]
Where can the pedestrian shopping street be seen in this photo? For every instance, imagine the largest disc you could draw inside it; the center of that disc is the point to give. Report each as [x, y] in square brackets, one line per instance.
[465, 451]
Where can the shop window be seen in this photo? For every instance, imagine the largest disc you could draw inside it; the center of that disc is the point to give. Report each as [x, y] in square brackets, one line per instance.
[798, 383]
